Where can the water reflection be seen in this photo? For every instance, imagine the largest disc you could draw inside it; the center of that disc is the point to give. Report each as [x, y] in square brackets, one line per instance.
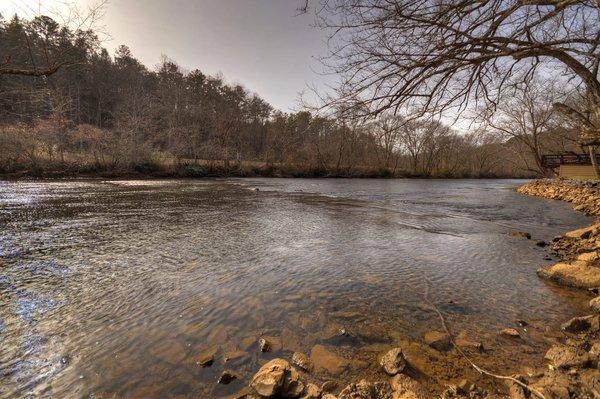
[113, 289]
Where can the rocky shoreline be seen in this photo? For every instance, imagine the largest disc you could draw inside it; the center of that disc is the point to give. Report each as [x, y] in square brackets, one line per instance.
[571, 362]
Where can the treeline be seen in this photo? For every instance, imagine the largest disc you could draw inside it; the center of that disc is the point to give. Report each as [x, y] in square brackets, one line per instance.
[111, 115]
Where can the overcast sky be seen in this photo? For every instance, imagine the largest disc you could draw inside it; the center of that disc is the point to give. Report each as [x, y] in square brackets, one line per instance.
[262, 44]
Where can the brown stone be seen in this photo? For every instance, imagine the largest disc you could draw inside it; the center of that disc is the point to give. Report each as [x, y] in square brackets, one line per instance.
[510, 332]
[578, 274]
[562, 356]
[206, 358]
[393, 361]
[520, 234]
[595, 304]
[324, 359]
[302, 361]
[404, 387]
[311, 392]
[226, 377]
[366, 390]
[438, 340]
[581, 324]
[277, 379]
[170, 351]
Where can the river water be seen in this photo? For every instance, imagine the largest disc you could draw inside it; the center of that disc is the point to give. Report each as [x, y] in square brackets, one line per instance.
[112, 288]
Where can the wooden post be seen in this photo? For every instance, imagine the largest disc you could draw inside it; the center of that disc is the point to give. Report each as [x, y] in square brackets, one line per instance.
[592, 150]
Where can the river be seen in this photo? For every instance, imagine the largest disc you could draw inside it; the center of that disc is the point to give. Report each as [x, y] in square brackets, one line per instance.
[113, 288]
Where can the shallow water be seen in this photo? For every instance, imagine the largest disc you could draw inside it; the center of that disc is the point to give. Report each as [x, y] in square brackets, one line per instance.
[112, 288]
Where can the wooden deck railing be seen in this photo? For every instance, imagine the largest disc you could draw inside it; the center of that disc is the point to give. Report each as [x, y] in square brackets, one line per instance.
[555, 160]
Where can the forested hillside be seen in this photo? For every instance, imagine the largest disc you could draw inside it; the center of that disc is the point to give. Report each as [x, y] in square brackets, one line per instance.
[69, 107]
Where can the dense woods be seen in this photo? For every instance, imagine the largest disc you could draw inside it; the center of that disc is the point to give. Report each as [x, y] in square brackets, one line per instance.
[69, 107]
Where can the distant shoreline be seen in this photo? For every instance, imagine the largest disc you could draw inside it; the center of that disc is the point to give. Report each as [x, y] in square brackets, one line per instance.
[185, 175]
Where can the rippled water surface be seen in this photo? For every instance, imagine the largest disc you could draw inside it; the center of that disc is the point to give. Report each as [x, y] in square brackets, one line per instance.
[113, 288]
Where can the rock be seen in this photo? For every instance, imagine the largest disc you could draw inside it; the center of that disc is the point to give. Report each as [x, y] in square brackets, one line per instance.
[510, 332]
[264, 345]
[366, 390]
[595, 304]
[588, 257]
[277, 379]
[329, 396]
[581, 324]
[541, 244]
[516, 391]
[562, 356]
[462, 340]
[311, 392]
[329, 386]
[578, 274]
[324, 359]
[234, 355]
[520, 234]
[595, 349]
[393, 362]
[438, 340]
[583, 233]
[292, 386]
[590, 383]
[206, 358]
[170, 351]
[302, 361]
[405, 387]
[226, 377]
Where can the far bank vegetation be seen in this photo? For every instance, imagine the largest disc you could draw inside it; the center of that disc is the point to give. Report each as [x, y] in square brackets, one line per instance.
[70, 108]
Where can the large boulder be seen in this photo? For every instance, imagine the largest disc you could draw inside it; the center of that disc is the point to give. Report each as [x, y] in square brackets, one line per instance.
[393, 362]
[277, 379]
[578, 274]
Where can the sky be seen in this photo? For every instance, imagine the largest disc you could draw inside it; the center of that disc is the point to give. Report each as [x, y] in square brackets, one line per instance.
[262, 44]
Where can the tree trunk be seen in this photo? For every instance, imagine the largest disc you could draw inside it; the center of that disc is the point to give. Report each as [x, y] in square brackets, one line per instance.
[592, 150]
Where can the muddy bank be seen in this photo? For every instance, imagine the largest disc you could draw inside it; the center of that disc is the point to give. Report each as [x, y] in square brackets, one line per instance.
[413, 370]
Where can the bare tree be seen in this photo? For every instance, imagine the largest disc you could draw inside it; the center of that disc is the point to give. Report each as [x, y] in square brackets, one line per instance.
[42, 61]
[441, 55]
[524, 117]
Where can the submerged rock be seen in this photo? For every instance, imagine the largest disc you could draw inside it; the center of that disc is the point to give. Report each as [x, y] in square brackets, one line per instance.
[170, 351]
[206, 358]
[324, 359]
[393, 362]
[438, 340]
[520, 234]
[510, 332]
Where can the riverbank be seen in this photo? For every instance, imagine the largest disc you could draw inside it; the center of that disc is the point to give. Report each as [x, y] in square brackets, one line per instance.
[170, 169]
[571, 369]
